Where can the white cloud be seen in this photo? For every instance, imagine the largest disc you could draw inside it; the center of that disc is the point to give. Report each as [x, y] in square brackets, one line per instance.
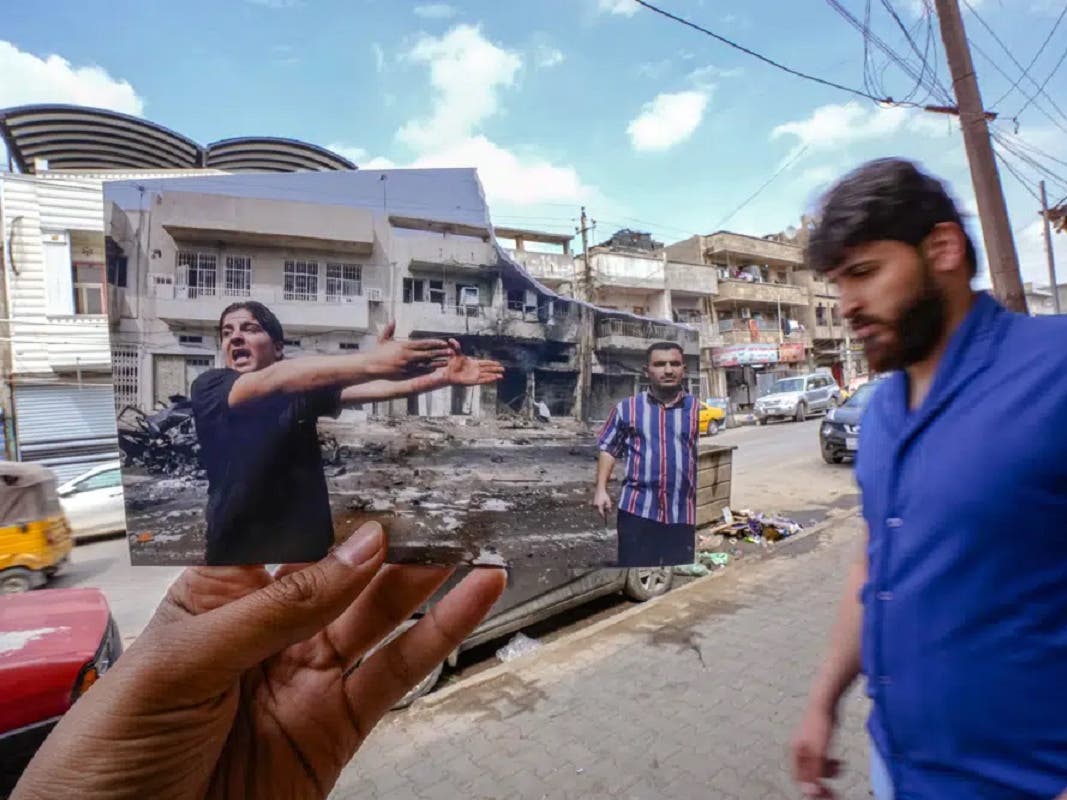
[669, 119]
[435, 11]
[654, 69]
[548, 56]
[379, 57]
[704, 77]
[1033, 263]
[360, 157]
[623, 8]
[834, 127]
[467, 71]
[53, 79]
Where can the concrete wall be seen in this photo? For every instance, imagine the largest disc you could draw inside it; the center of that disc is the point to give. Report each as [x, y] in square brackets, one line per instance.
[692, 278]
[625, 270]
[738, 248]
[688, 251]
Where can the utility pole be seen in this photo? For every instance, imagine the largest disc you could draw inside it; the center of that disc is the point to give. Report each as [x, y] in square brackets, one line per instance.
[992, 210]
[585, 336]
[1048, 251]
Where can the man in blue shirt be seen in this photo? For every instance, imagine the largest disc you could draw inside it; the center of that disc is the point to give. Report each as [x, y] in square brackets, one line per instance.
[956, 609]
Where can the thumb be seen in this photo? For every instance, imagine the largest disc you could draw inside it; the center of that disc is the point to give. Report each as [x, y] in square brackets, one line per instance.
[295, 607]
[388, 332]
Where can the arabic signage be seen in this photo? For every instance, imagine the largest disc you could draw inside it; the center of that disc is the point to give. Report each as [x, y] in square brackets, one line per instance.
[791, 352]
[736, 355]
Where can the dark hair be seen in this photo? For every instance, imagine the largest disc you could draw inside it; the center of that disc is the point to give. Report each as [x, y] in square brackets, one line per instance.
[263, 315]
[652, 348]
[888, 198]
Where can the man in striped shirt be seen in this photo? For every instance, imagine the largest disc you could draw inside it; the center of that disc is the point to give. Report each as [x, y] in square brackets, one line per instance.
[656, 433]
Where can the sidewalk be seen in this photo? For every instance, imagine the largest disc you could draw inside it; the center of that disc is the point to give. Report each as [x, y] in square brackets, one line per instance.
[693, 695]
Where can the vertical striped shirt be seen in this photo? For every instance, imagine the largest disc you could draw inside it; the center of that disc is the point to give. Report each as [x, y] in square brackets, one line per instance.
[659, 443]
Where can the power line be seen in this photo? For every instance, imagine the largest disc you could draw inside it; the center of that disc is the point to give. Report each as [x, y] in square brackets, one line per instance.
[764, 59]
[1041, 89]
[1000, 69]
[1033, 60]
[1022, 181]
[924, 56]
[796, 156]
[1014, 60]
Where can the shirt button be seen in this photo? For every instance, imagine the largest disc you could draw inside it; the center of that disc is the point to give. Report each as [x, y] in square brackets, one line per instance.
[894, 522]
[885, 595]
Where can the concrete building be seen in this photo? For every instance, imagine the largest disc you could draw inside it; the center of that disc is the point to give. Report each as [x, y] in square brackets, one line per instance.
[1040, 300]
[335, 274]
[757, 330]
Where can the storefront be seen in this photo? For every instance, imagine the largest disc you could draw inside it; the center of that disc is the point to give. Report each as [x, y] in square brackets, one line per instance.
[749, 370]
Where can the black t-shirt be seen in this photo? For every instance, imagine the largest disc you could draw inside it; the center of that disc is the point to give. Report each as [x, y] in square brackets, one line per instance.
[267, 497]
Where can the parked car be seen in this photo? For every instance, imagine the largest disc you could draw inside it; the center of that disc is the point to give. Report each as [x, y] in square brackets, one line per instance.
[839, 434]
[93, 501]
[35, 541]
[712, 418]
[798, 397]
[535, 595]
[54, 645]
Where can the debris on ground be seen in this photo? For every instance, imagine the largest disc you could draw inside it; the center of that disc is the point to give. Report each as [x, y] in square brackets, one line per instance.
[753, 527]
[520, 645]
[692, 570]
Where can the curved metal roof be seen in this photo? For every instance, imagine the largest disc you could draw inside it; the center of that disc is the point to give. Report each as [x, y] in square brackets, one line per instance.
[81, 138]
[271, 154]
[75, 137]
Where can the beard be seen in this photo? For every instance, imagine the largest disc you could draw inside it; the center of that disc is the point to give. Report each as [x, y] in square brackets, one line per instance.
[918, 329]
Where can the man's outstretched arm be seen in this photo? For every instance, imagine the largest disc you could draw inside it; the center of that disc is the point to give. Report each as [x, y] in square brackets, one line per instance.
[389, 361]
[460, 370]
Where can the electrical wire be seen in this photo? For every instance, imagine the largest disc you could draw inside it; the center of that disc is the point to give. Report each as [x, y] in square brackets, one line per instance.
[1022, 181]
[1014, 60]
[1040, 50]
[796, 156]
[1041, 89]
[764, 59]
[993, 63]
[924, 56]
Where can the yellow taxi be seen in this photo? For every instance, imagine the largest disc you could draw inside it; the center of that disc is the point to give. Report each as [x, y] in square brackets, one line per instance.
[711, 418]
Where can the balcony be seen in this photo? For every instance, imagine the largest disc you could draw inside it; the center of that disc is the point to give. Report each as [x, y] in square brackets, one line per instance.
[723, 248]
[828, 332]
[691, 278]
[549, 268]
[632, 335]
[457, 256]
[623, 271]
[74, 343]
[735, 291]
[446, 320]
[200, 305]
[755, 331]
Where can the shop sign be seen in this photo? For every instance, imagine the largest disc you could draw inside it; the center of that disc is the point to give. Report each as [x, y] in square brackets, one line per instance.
[791, 352]
[736, 355]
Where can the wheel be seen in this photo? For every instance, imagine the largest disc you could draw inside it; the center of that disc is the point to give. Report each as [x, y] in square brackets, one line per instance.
[713, 428]
[831, 458]
[422, 687]
[647, 582]
[759, 421]
[802, 412]
[15, 580]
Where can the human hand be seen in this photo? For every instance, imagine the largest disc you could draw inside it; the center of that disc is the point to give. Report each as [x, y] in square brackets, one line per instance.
[388, 333]
[462, 370]
[248, 685]
[809, 752]
[602, 503]
[396, 360]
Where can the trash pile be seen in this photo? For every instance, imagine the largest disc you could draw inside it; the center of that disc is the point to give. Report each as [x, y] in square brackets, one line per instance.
[737, 526]
[161, 443]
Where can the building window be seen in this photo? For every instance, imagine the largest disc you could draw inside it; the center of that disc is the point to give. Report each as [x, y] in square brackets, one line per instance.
[125, 377]
[349, 345]
[89, 289]
[116, 271]
[820, 315]
[238, 276]
[835, 315]
[437, 292]
[343, 282]
[301, 281]
[516, 299]
[414, 290]
[196, 275]
[291, 342]
[189, 339]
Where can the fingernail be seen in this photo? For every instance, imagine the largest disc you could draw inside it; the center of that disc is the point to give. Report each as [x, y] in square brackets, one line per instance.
[361, 546]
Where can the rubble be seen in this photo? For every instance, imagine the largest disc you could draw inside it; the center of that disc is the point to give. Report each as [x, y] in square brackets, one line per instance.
[753, 527]
[162, 443]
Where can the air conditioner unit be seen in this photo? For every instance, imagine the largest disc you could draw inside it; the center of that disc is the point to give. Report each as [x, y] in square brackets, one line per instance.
[469, 296]
[746, 313]
[375, 296]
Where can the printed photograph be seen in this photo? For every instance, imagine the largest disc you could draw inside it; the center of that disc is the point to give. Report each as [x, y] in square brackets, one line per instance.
[295, 355]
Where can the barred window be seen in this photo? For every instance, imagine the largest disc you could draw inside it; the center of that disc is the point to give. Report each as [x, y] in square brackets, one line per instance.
[238, 276]
[301, 281]
[343, 282]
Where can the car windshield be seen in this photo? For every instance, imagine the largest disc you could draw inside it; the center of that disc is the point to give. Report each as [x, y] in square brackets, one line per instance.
[788, 385]
[862, 396]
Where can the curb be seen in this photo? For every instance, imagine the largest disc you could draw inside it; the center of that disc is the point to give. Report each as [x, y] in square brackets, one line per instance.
[442, 694]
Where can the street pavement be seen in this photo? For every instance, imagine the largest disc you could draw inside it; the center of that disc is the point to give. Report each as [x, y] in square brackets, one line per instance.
[692, 695]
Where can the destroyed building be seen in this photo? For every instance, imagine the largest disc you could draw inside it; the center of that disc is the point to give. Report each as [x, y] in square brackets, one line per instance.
[336, 261]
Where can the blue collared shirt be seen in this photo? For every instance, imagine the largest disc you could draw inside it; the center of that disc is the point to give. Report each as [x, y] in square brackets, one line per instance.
[965, 608]
[659, 443]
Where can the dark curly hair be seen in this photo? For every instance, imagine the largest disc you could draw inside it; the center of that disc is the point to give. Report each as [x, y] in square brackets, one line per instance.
[889, 198]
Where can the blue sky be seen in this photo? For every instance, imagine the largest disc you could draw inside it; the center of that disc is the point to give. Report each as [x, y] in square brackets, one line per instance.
[559, 103]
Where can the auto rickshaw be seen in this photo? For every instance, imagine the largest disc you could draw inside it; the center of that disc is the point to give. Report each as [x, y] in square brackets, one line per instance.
[35, 537]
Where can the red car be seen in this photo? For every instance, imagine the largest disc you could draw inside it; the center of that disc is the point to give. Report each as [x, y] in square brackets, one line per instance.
[54, 645]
